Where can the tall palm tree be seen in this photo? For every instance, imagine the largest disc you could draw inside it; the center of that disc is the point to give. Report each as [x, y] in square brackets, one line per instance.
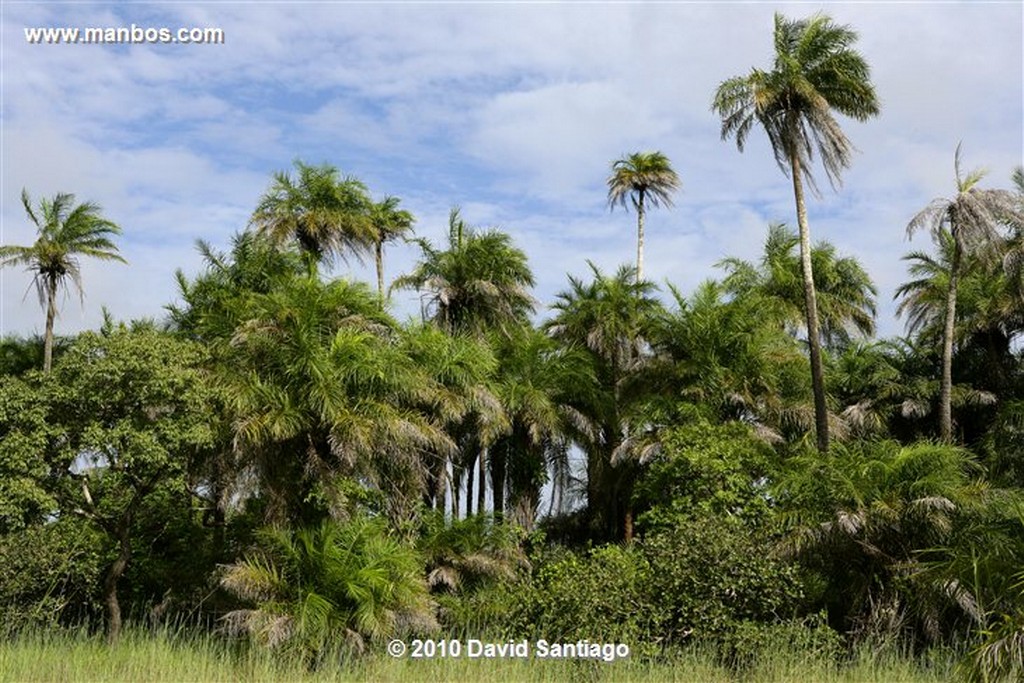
[478, 285]
[389, 224]
[65, 231]
[815, 72]
[325, 213]
[642, 177]
[611, 318]
[972, 218]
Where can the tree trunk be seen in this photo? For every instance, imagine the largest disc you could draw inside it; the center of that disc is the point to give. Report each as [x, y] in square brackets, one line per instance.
[640, 238]
[51, 313]
[946, 387]
[114, 574]
[811, 304]
[470, 483]
[481, 493]
[499, 461]
[455, 486]
[379, 254]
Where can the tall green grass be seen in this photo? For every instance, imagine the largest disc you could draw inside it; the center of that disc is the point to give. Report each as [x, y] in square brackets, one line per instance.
[150, 657]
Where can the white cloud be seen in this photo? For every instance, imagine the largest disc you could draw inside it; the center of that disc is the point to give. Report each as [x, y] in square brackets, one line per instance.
[514, 111]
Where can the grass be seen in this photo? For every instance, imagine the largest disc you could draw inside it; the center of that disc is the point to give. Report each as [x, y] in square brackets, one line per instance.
[147, 657]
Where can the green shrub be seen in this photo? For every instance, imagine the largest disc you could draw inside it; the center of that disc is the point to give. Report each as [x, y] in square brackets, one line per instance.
[50, 574]
[710, 572]
[602, 595]
[719, 470]
[697, 579]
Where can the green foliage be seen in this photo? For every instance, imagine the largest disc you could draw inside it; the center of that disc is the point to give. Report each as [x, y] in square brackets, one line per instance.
[844, 291]
[864, 516]
[51, 573]
[326, 214]
[120, 416]
[480, 282]
[464, 554]
[602, 595]
[705, 469]
[24, 434]
[331, 585]
[710, 572]
[697, 579]
[731, 360]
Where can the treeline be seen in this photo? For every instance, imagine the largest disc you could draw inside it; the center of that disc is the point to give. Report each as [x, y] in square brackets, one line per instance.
[280, 457]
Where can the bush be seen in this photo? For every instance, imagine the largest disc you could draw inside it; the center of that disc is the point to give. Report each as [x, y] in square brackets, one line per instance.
[50, 574]
[697, 579]
[719, 470]
[602, 595]
[711, 572]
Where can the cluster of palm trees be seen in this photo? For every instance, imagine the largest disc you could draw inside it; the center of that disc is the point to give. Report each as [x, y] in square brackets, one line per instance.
[325, 401]
[477, 287]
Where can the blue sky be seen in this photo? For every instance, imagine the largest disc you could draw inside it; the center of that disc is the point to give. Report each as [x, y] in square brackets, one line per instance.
[512, 111]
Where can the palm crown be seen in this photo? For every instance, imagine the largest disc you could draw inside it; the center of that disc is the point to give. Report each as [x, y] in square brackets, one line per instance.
[643, 177]
[66, 230]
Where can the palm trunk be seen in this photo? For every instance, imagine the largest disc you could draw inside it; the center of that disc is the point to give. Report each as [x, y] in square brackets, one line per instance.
[379, 254]
[640, 238]
[946, 387]
[455, 485]
[499, 461]
[811, 304]
[470, 483]
[51, 313]
[481, 493]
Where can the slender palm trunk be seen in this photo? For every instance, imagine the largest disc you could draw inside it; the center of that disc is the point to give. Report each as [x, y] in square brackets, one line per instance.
[51, 313]
[499, 464]
[470, 483]
[456, 485]
[811, 304]
[946, 387]
[640, 237]
[379, 254]
[481, 493]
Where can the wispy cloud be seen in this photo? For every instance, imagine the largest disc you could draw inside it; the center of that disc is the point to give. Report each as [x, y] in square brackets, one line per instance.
[513, 111]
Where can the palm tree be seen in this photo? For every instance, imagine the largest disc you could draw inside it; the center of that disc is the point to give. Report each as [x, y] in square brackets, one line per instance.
[479, 283]
[844, 291]
[642, 177]
[611, 318]
[319, 390]
[539, 384]
[815, 72]
[326, 214]
[65, 231]
[730, 360]
[866, 516]
[316, 586]
[972, 219]
[389, 223]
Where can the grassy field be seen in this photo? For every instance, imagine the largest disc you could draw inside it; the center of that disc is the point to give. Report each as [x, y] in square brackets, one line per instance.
[143, 657]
